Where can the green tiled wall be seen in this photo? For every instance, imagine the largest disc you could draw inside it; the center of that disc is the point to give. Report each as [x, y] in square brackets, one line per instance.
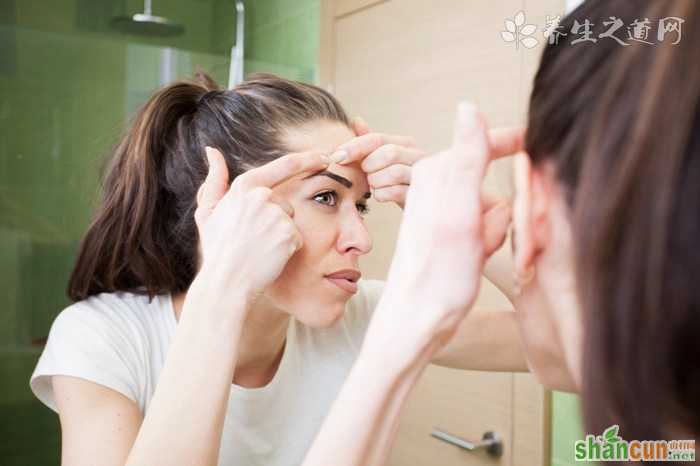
[283, 38]
[68, 84]
[566, 429]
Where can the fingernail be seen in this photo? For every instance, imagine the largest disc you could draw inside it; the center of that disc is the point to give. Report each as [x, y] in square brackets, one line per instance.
[339, 156]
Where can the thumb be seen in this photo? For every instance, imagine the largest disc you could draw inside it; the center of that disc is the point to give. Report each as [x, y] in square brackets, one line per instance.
[470, 143]
[496, 223]
[214, 186]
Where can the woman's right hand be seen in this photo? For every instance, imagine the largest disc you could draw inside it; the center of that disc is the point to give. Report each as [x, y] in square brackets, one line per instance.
[246, 236]
[435, 275]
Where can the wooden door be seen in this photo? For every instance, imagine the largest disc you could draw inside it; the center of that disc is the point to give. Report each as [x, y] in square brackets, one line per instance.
[403, 65]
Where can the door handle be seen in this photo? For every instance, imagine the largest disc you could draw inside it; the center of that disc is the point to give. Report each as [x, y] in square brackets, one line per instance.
[490, 442]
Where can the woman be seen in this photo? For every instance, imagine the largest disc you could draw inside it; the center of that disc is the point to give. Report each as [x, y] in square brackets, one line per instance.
[610, 190]
[251, 291]
[606, 223]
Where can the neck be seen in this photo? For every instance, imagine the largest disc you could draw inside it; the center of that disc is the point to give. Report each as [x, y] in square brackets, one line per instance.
[262, 342]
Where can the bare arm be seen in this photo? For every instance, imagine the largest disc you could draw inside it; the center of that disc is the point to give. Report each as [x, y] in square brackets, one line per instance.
[361, 426]
[184, 422]
[539, 339]
[185, 419]
[432, 283]
[487, 340]
[98, 424]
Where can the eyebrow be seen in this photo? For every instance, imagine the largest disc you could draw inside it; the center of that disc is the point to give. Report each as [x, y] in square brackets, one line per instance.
[342, 180]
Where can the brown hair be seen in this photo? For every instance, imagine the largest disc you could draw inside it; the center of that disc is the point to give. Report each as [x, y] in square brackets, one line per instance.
[143, 237]
[622, 126]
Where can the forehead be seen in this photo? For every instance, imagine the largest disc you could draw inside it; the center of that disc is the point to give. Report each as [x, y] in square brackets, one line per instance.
[325, 136]
[318, 135]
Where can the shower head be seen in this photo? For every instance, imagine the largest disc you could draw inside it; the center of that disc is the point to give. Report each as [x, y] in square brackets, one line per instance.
[146, 24]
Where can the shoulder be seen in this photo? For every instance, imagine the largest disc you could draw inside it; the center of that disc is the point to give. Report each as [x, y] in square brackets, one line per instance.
[110, 305]
[124, 314]
[104, 339]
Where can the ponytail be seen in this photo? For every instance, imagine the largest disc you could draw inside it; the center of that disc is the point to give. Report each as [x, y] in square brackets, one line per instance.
[131, 244]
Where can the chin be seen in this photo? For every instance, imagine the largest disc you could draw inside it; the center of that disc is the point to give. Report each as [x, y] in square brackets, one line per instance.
[320, 306]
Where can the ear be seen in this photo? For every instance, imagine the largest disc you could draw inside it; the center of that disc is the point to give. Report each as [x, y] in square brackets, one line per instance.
[530, 214]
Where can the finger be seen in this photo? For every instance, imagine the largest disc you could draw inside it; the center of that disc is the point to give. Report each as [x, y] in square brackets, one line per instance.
[358, 148]
[389, 176]
[506, 141]
[496, 223]
[359, 126]
[286, 206]
[215, 185]
[294, 240]
[298, 240]
[396, 193]
[390, 154]
[283, 168]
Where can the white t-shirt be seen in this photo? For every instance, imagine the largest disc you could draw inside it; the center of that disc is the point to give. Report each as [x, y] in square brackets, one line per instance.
[120, 340]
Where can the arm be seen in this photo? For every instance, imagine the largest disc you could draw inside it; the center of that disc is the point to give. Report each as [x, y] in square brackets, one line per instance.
[432, 283]
[490, 340]
[96, 422]
[487, 340]
[196, 380]
[538, 335]
[193, 387]
[361, 426]
[184, 421]
[497, 341]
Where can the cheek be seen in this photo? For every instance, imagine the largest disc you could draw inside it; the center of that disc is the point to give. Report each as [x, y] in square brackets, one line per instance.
[301, 290]
[317, 230]
[307, 265]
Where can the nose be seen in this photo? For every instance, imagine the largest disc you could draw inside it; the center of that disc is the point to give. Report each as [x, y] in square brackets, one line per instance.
[353, 236]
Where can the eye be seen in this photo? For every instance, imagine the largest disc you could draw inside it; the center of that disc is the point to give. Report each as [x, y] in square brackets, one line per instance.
[328, 198]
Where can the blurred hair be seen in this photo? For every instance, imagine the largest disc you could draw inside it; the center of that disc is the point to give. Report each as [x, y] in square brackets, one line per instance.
[621, 124]
[143, 237]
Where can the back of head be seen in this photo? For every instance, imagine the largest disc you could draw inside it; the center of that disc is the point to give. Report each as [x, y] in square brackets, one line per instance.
[143, 237]
[621, 124]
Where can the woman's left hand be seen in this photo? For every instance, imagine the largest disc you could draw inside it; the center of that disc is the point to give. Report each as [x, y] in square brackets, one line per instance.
[443, 243]
[388, 161]
[386, 158]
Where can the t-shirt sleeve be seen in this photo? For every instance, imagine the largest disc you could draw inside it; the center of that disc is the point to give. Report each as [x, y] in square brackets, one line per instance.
[85, 343]
[362, 308]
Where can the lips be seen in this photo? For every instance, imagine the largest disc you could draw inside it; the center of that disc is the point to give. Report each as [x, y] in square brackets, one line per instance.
[345, 279]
